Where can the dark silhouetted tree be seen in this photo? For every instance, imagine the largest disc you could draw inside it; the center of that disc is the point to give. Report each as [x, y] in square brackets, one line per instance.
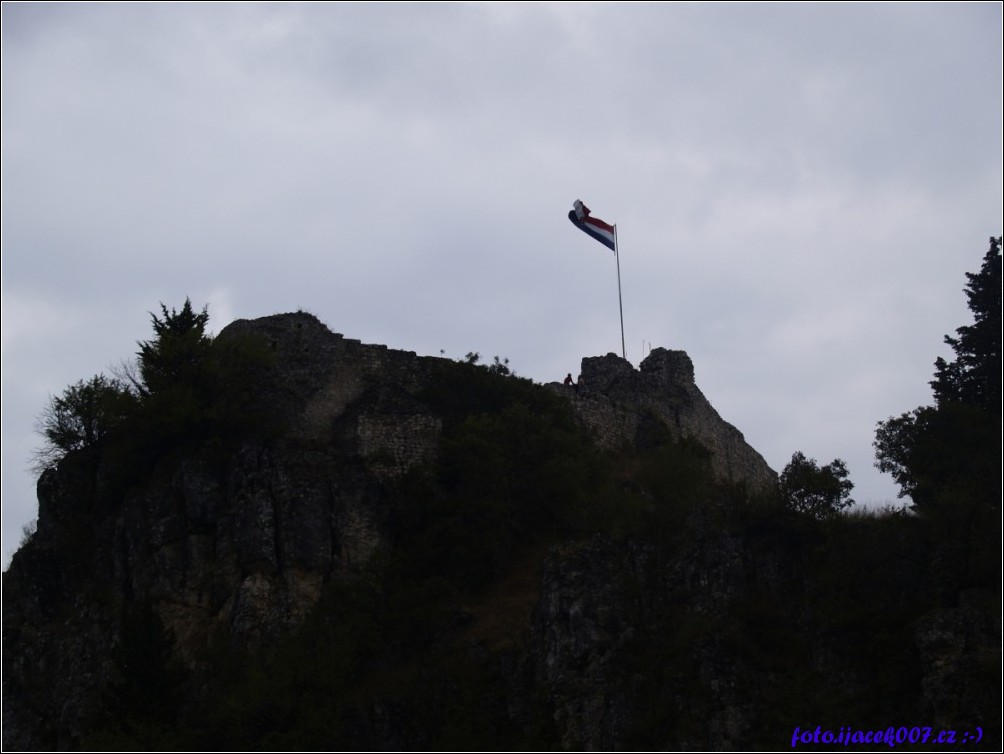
[950, 444]
[178, 379]
[818, 492]
[178, 353]
[946, 457]
[196, 389]
[974, 376]
[81, 417]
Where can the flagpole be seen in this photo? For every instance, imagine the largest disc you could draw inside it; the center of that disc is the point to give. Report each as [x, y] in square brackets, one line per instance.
[620, 301]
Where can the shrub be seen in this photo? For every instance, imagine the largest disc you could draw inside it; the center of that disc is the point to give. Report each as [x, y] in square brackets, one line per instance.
[81, 418]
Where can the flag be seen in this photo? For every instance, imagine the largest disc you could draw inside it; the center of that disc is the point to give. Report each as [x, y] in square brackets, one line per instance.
[605, 234]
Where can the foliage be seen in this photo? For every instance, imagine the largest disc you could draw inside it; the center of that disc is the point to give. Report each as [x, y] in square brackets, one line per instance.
[187, 392]
[826, 617]
[946, 457]
[513, 466]
[146, 695]
[149, 676]
[500, 366]
[197, 390]
[81, 417]
[818, 492]
[931, 448]
[461, 389]
[383, 662]
[974, 376]
[178, 353]
[178, 378]
[942, 446]
[954, 444]
[28, 531]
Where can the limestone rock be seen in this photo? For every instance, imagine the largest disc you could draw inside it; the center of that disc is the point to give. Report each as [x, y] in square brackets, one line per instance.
[241, 548]
[615, 401]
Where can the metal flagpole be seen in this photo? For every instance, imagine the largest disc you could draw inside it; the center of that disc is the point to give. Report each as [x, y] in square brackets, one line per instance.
[620, 301]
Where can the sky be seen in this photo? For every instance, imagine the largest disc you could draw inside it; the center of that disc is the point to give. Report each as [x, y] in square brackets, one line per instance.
[798, 189]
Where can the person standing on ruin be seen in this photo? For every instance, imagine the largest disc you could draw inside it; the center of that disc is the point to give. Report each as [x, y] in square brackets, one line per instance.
[571, 383]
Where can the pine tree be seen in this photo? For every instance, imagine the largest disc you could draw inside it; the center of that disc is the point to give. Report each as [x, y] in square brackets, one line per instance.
[936, 447]
[178, 353]
[974, 377]
[946, 457]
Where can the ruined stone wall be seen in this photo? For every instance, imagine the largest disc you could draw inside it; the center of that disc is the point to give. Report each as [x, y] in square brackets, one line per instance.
[335, 387]
[612, 426]
[398, 442]
[613, 400]
[288, 517]
[367, 394]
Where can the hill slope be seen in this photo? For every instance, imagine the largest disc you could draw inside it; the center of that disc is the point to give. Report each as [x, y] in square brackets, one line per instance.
[424, 554]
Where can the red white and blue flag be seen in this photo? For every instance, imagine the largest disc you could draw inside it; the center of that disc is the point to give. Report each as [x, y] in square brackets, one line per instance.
[593, 226]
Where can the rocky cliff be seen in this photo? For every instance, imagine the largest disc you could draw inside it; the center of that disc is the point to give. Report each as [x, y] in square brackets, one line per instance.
[240, 550]
[615, 401]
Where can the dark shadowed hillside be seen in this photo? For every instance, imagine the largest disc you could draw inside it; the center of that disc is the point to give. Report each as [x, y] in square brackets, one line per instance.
[299, 541]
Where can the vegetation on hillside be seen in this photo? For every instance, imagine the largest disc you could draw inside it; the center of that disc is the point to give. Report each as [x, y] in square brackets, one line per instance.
[186, 392]
[429, 648]
[946, 457]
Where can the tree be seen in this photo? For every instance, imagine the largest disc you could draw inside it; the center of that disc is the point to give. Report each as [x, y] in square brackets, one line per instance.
[80, 418]
[184, 389]
[196, 389]
[946, 457]
[955, 442]
[178, 353]
[818, 492]
[499, 367]
[974, 377]
[931, 449]
[178, 380]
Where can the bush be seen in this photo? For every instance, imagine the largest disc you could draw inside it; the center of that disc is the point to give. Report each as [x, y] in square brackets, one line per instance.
[81, 418]
[817, 492]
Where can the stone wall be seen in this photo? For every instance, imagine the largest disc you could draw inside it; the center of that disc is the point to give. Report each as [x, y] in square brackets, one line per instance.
[395, 443]
[613, 400]
[368, 394]
[364, 396]
[612, 426]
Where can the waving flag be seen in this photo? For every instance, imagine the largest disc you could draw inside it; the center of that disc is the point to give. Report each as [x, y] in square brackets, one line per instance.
[606, 235]
[601, 231]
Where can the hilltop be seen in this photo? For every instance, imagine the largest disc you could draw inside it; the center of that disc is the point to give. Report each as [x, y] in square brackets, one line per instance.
[327, 544]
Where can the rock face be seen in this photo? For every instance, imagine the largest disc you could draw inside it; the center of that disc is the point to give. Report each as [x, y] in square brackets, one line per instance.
[243, 550]
[601, 607]
[335, 388]
[615, 402]
[239, 551]
[953, 643]
[599, 645]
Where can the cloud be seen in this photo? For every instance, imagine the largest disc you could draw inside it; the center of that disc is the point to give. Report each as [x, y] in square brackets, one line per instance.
[798, 191]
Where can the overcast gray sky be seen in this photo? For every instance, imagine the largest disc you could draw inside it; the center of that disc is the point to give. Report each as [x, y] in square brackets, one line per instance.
[799, 191]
